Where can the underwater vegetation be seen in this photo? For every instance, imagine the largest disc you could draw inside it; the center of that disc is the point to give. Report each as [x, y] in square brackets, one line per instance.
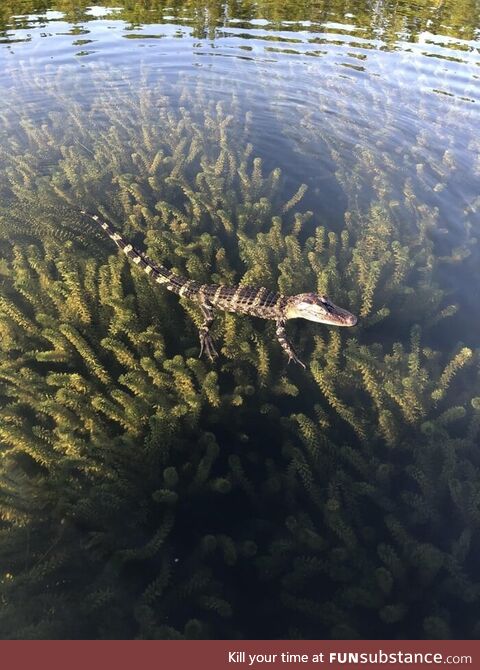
[145, 493]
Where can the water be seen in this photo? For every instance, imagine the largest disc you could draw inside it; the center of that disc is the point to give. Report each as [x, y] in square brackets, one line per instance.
[328, 147]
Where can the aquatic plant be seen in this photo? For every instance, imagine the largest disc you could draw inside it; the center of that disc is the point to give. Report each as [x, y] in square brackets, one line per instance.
[109, 433]
[348, 494]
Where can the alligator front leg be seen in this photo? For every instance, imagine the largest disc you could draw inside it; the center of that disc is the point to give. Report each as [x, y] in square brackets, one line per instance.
[206, 341]
[282, 337]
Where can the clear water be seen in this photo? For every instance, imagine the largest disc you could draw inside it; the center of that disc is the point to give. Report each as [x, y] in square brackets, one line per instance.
[147, 494]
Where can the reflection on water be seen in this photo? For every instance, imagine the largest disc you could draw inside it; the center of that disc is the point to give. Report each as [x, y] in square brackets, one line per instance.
[328, 147]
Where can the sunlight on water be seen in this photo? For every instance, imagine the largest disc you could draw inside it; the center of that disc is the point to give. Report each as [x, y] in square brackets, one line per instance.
[328, 147]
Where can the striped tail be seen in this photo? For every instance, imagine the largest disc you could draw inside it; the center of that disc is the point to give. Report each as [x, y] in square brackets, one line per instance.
[158, 273]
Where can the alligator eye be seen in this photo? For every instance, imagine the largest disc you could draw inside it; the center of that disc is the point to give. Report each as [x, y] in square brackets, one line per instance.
[325, 302]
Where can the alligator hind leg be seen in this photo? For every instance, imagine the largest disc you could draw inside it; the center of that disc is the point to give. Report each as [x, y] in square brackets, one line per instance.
[282, 337]
[206, 340]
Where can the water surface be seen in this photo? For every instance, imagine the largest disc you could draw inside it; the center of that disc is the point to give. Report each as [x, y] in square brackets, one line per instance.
[321, 146]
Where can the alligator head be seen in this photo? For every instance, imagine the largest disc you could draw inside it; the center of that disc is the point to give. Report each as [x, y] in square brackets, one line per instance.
[318, 308]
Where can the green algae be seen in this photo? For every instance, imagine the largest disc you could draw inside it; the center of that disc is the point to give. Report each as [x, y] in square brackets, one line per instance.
[140, 485]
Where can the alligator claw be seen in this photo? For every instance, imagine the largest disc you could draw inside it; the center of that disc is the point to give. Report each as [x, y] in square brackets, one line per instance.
[206, 343]
[293, 357]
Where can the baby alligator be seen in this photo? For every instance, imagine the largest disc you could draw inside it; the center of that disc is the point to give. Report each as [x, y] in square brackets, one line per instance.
[251, 300]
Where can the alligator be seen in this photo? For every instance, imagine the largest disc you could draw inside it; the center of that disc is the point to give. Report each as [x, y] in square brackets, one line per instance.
[251, 300]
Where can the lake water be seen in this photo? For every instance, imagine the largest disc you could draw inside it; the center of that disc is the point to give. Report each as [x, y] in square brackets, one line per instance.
[322, 146]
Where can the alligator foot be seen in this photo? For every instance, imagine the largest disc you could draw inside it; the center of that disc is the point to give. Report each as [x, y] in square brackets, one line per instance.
[206, 344]
[286, 345]
[292, 356]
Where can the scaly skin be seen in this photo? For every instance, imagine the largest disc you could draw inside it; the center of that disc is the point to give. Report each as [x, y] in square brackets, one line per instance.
[250, 300]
